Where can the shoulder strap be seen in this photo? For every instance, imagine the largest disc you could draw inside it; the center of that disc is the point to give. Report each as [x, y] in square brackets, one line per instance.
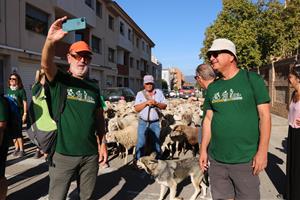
[159, 113]
[248, 77]
[62, 103]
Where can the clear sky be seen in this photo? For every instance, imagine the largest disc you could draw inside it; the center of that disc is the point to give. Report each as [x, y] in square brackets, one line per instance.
[176, 27]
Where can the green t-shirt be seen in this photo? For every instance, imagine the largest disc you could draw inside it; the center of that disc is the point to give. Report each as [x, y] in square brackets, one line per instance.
[3, 118]
[19, 95]
[77, 126]
[235, 122]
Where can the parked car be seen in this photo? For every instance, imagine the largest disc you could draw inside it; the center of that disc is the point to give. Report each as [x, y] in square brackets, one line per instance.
[186, 91]
[165, 92]
[173, 94]
[114, 94]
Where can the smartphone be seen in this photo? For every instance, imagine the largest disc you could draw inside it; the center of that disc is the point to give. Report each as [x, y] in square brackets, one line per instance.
[74, 24]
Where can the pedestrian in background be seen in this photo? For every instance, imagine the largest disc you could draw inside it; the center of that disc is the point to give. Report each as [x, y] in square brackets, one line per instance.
[293, 144]
[148, 103]
[17, 92]
[81, 127]
[205, 75]
[236, 127]
[3, 146]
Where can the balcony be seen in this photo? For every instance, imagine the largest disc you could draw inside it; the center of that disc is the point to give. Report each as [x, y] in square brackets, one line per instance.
[123, 70]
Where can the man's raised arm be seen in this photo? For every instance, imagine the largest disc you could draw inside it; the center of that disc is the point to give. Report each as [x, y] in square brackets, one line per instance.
[55, 34]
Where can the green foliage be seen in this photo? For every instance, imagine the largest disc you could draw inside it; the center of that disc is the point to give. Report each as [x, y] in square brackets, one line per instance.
[164, 84]
[261, 31]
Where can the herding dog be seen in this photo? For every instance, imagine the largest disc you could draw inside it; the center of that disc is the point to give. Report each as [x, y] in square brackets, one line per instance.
[168, 173]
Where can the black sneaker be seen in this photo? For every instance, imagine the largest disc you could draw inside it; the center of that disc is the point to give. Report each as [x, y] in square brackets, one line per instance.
[21, 154]
[15, 153]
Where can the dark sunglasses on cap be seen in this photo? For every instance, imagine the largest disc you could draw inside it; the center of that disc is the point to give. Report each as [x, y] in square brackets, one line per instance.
[215, 54]
[78, 57]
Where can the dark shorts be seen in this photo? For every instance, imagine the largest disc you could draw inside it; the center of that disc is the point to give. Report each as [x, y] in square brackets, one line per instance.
[233, 181]
[16, 135]
[3, 156]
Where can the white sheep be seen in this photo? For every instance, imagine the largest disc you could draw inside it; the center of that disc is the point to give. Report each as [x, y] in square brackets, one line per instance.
[127, 137]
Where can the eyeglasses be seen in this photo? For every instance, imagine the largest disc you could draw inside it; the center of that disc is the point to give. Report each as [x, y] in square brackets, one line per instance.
[215, 54]
[148, 83]
[12, 79]
[78, 57]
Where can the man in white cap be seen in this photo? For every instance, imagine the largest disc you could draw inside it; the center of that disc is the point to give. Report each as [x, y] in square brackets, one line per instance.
[236, 127]
[148, 103]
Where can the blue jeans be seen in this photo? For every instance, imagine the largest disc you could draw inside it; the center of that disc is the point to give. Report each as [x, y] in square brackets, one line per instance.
[145, 128]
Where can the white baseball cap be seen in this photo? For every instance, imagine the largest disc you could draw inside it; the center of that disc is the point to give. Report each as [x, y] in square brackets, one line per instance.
[223, 44]
[148, 79]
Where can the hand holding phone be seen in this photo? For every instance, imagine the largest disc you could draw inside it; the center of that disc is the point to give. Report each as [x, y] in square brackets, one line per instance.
[74, 24]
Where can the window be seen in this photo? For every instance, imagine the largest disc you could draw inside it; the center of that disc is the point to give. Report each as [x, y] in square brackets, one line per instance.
[129, 35]
[79, 36]
[111, 55]
[137, 64]
[36, 20]
[131, 62]
[137, 43]
[96, 44]
[89, 3]
[121, 28]
[143, 45]
[99, 9]
[111, 22]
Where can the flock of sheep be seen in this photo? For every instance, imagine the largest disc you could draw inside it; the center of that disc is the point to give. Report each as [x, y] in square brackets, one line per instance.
[179, 126]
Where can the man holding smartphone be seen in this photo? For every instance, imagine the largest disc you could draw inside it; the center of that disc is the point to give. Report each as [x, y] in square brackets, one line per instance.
[78, 149]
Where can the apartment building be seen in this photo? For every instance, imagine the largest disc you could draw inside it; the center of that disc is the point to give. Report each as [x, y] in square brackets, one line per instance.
[121, 50]
[177, 78]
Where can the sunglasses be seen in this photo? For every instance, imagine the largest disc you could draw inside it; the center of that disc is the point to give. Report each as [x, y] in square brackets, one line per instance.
[148, 83]
[215, 54]
[13, 79]
[78, 57]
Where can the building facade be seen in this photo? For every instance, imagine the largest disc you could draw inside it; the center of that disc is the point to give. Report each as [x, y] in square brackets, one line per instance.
[121, 50]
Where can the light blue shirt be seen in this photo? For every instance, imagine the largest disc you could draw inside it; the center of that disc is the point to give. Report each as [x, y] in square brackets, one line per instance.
[140, 98]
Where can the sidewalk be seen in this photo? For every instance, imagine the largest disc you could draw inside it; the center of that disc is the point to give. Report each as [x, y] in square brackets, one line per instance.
[28, 177]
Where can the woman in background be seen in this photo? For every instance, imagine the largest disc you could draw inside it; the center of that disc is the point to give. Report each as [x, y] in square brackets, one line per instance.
[293, 147]
[17, 92]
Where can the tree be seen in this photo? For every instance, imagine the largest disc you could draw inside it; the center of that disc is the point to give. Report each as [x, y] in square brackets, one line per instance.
[164, 84]
[261, 31]
[237, 22]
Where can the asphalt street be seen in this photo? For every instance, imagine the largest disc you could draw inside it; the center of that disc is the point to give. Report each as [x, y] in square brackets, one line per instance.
[28, 177]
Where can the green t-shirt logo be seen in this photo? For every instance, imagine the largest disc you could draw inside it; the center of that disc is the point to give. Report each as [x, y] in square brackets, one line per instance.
[80, 95]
